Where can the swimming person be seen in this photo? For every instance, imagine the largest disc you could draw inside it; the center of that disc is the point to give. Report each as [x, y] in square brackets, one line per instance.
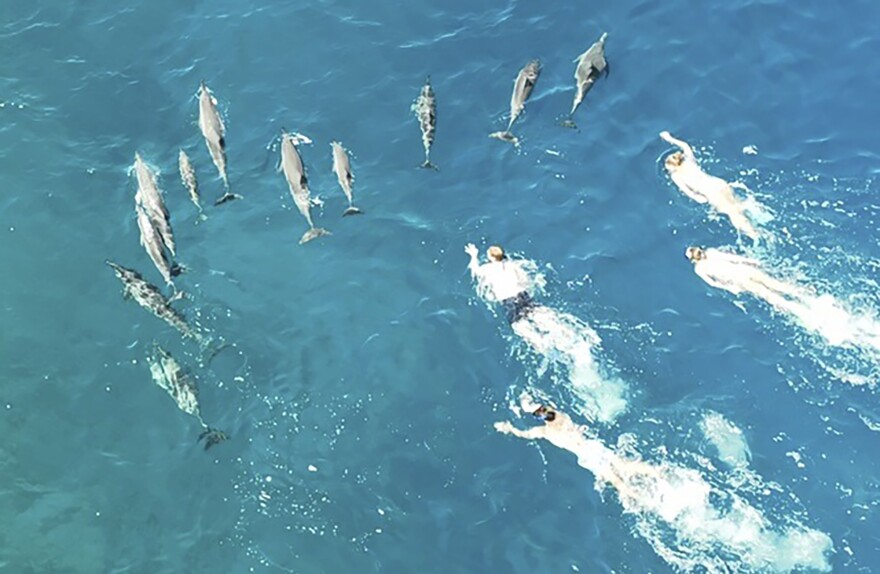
[556, 336]
[820, 313]
[738, 274]
[690, 178]
[504, 281]
[691, 523]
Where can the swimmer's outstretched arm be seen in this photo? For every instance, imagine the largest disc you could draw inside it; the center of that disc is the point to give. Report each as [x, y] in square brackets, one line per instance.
[505, 427]
[683, 145]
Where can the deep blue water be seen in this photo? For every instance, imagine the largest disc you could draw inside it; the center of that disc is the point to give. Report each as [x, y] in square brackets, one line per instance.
[365, 374]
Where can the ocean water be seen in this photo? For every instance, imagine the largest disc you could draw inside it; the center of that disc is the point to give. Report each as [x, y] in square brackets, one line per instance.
[363, 374]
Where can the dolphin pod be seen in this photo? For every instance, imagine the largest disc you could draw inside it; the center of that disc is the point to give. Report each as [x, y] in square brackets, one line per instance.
[154, 224]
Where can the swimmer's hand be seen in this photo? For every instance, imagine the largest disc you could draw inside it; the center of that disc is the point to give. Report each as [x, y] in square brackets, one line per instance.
[471, 250]
[505, 427]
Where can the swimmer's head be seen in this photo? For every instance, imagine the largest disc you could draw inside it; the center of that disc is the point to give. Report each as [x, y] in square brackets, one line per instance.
[495, 253]
[545, 413]
[695, 254]
[674, 161]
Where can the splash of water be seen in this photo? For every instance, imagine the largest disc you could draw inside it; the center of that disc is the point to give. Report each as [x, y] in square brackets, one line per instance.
[569, 342]
[727, 439]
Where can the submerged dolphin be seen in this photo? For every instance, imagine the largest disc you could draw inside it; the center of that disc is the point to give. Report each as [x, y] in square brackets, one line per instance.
[522, 89]
[214, 133]
[590, 66]
[168, 374]
[150, 298]
[342, 169]
[188, 178]
[295, 174]
[149, 196]
[151, 241]
[425, 109]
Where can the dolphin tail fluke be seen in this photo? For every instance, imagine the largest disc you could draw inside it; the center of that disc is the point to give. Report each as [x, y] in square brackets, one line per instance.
[313, 233]
[568, 123]
[352, 210]
[505, 136]
[227, 197]
[212, 436]
[428, 165]
[178, 269]
[210, 347]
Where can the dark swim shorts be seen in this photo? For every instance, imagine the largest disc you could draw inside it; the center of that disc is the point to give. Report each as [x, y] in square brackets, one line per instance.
[518, 307]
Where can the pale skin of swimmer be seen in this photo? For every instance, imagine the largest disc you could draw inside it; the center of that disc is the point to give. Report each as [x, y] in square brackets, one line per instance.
[501, 278]
[562, 432]
[738, 274]
[690, 178]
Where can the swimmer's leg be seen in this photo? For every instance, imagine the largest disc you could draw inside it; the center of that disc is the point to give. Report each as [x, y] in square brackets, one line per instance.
[783, 288]
[742, 223]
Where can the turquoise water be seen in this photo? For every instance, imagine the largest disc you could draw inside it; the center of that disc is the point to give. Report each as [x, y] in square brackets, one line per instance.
[364, 374]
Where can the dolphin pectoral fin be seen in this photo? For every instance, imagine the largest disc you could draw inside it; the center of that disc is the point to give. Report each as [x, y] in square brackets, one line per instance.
[352, 210]
[177, 269]
[212, 437]
[313, 233]
[607, 69]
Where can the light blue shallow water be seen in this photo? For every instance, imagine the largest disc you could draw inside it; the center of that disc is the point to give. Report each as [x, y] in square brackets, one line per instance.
[365, 375]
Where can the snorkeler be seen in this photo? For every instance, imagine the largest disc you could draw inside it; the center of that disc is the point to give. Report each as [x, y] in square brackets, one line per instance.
[672, 498]
[690, 178]
[502, 280]
[738, 274]
[823, 314]
[562, 432]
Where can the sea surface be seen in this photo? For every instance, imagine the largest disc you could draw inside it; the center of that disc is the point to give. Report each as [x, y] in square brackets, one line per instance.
[362, 374]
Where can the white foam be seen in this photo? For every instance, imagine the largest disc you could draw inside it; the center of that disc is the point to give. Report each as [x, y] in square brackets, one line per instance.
[828, 317]
[568, 341]
[727, 439]
[563, 340]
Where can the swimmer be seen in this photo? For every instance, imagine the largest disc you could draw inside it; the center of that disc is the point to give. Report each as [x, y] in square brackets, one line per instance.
[738, 274]
[821, 313]
[705, 522]
[690, 178]
[505, 281]
[562, 432]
